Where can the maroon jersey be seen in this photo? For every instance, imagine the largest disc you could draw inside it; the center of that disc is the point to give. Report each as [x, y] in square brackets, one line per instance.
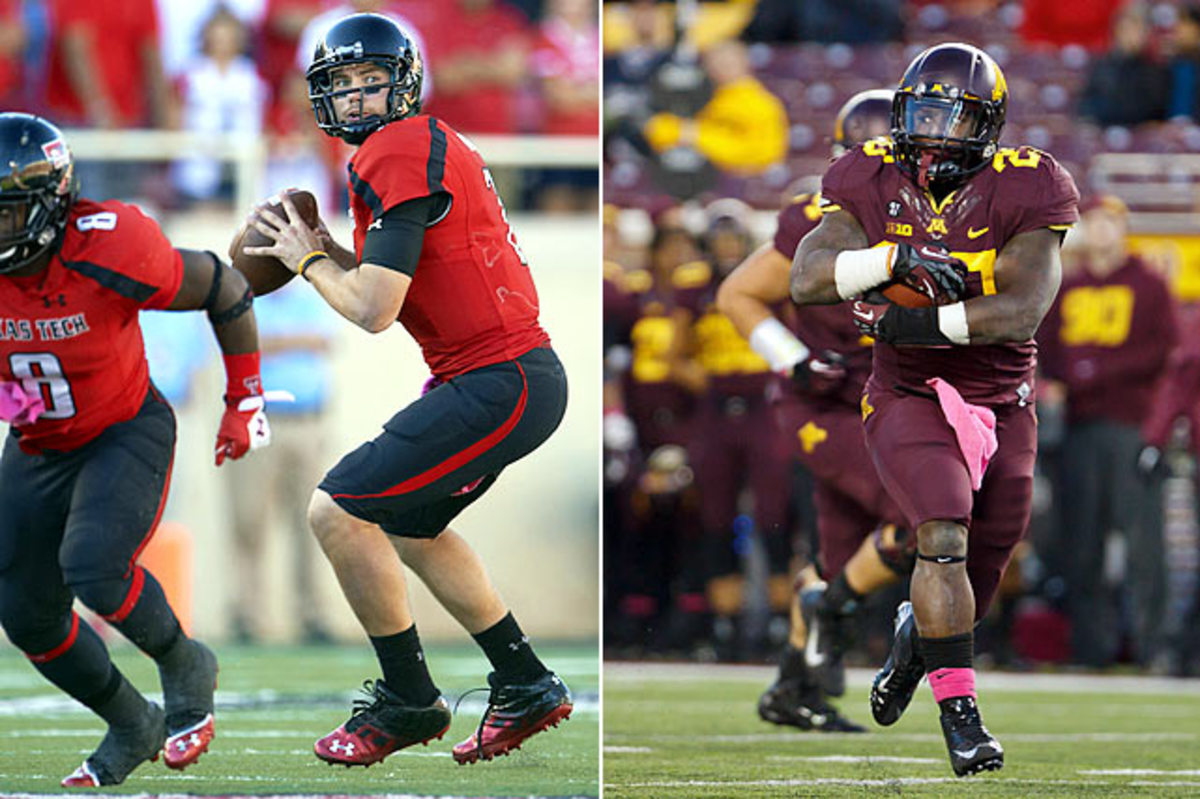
[71, 332]
[1021, 190]
[472, 301]
[823, 327]
[733, 369]
[1108, 340]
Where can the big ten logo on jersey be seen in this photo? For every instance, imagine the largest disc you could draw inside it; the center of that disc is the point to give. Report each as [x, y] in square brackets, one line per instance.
[1098, 316]
[105, 220]
[491, 185]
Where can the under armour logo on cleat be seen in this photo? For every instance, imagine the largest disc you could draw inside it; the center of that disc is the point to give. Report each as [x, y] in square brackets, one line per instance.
[347, 747]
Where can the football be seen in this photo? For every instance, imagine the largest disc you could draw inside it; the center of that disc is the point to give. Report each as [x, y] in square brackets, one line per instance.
[266, 273]
[898, 292]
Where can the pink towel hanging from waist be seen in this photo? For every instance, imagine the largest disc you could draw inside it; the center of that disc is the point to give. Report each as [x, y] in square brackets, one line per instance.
[974, 427]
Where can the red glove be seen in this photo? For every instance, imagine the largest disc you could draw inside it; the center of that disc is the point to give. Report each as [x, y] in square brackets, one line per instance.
[244, 426]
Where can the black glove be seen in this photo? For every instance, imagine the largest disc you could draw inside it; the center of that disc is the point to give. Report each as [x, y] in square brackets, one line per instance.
[894, 324]
[821, 375]
[930, 269]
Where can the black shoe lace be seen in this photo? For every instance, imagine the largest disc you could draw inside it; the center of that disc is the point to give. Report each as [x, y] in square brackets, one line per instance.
[482, 720]
[364, 705]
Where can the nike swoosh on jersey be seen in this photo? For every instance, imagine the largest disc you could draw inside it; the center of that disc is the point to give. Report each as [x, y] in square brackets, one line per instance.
[974, 234]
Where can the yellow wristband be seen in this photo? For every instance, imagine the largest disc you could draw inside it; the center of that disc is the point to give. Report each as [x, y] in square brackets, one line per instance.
[309, 260]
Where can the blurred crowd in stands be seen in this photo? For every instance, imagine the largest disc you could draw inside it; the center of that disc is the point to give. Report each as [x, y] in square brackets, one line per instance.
[716, 115]
[214, 66]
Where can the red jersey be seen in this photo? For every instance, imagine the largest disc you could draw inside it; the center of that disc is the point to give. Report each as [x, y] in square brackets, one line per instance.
[472, 301]
[1021, 190]
[823, 327]
[71, 332]
[451, 33]
[119, 31]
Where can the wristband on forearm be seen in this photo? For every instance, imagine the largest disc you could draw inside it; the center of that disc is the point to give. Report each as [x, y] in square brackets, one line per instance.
[242, 377]
[857, 271]
[776, 344]
[952, 322]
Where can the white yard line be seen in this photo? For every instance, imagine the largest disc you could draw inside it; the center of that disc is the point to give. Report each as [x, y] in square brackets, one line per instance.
[885, 783]
[917, 737]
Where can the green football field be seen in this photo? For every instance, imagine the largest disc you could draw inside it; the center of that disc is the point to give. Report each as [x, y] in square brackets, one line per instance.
[676, 730]
[272, 703]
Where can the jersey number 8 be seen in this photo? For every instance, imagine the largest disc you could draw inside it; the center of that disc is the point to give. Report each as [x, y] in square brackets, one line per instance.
[42, 372]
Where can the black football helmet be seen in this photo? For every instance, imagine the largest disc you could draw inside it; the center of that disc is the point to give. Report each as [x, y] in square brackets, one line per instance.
[948, 113]
[361, 39]
[864, 116]
[37, 188]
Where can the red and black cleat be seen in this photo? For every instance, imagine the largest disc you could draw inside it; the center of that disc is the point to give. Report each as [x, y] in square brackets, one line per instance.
[121, 751]
[381, 725]
[189, 680]
[184, 747]
[515, 712]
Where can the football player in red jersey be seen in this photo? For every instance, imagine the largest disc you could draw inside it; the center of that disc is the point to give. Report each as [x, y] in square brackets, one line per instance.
[432, 248]
[948, 407]
[85, 469]
[862, 544]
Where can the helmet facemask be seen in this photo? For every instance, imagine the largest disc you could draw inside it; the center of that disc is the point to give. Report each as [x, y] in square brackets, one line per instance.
[942, 140]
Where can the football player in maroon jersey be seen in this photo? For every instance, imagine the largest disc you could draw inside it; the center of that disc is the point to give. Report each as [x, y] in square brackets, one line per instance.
[87, 462]
[862, 544]
[948, 407]
[432, 248]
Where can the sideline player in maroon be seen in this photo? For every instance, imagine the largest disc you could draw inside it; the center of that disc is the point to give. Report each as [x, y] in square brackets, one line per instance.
[432, 247]
[862, 544]
[951, 385]
[87, 463]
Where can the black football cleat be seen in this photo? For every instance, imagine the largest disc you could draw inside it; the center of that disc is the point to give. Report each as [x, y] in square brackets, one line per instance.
[972, 748]
[515, 712]
[188, 685]
[381, 724]
[794, 704]
[121, 751]
[897, 681]
[826, 641]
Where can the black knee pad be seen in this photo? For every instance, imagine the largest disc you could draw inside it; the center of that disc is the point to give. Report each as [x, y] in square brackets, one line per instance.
[103, 595]
[35, 634]
[897, 548]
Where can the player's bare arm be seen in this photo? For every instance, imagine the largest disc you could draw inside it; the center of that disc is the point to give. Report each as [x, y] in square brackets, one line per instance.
[746, 297]
[1028, 273]
[196, 292]
[209, 285]
[747, 294]
[370, 296]
[814, 268]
